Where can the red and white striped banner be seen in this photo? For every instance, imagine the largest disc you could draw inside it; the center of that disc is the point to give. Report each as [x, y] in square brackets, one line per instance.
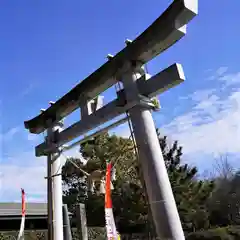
[112, 233]
[23, 203]
[21, 232]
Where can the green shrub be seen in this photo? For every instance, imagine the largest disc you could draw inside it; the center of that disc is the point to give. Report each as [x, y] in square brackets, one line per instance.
[212, 234]
[234, 231]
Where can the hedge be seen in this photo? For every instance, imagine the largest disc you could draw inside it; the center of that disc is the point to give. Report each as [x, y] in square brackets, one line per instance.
[226, 233]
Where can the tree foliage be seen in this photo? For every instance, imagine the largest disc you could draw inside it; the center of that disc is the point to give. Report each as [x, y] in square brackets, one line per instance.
[224, 206]
[202, 203]
[129, 199]
[226, 233]
[127, 193]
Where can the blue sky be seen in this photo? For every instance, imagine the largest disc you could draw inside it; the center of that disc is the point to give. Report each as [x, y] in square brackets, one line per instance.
[49, 46]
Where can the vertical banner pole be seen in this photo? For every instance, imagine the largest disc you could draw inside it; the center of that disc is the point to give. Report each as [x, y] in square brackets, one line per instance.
[21, 232]
[112, 233]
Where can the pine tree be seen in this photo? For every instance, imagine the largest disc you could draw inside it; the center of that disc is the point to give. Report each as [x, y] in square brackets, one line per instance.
[224, 206]
[129, 199]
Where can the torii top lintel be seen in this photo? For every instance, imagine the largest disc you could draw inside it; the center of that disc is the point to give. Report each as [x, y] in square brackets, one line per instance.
[163, 33]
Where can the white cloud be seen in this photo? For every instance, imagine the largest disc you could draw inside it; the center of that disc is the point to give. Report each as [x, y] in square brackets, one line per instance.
[201, 94]
[231, 79]
[227, 78]
[218, 73]
[10, 134]
[23, 171]
[32, 137]
[212, 126]
[13, 178]
[28, 89]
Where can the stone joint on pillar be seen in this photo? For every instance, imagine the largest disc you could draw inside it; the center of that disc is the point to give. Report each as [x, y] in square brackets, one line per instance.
[52, 138]
[140, 100]
[131, 94]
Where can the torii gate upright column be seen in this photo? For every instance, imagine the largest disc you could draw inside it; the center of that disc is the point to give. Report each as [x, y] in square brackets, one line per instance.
[160, 195]
[55, 203]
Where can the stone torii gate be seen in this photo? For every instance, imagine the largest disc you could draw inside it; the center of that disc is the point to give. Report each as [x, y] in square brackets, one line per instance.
[126, 67]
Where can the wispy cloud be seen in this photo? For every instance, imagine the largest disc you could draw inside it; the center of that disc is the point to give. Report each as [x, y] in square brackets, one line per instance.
[218, 73]
[225, 77]
[201, 94]
[16, 177]
[231, 79]
[28, 89]
[23, 92]
[212, 125]
[23, 170]
[7, 136]
[33, 137]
